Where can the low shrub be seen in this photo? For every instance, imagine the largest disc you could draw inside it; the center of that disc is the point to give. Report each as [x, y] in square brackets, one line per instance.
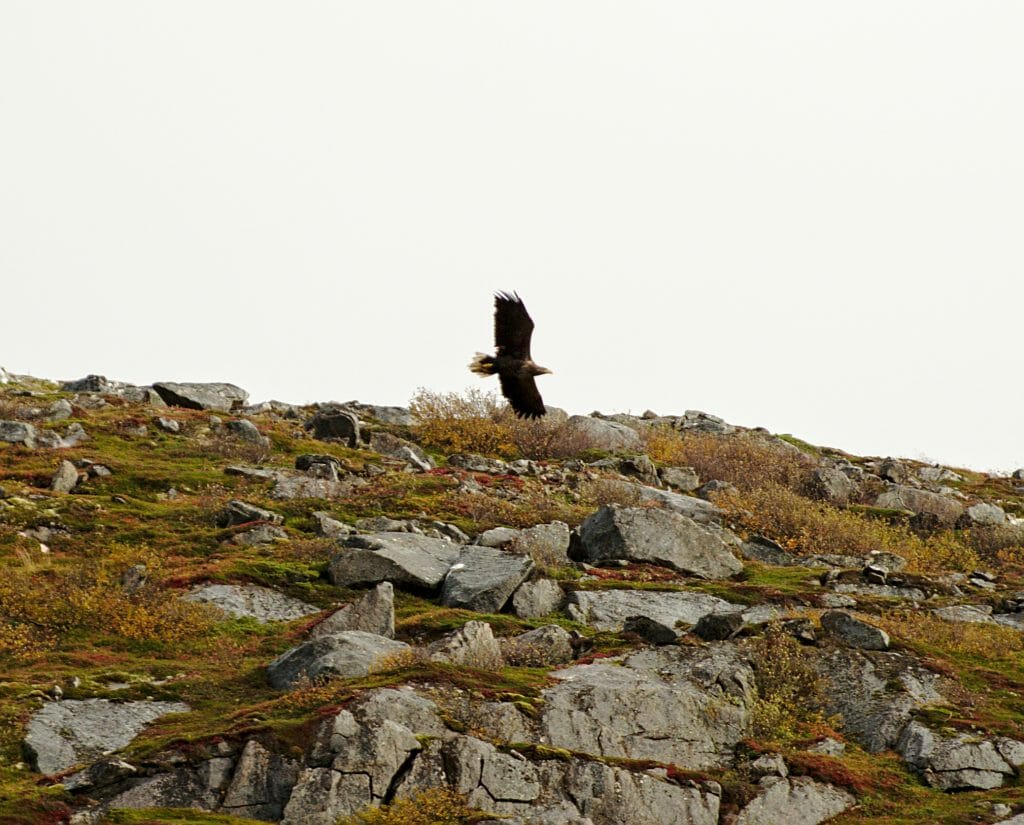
[746, 460]
[38, 607]
[436, 806]
[461, 423]
[996, 543]
[481, 422]
[17, 641]
[790, 690]
[806, 527]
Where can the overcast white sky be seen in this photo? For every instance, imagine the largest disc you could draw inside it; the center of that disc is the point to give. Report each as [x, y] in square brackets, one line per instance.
[807, 216]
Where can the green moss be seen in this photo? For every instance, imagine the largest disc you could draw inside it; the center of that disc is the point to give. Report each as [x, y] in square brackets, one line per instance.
[761, 583]
[803, 446]
[886, 514]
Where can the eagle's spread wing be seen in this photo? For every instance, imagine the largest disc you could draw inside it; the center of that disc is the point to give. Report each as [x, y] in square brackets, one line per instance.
[522, 395]
[512, 329]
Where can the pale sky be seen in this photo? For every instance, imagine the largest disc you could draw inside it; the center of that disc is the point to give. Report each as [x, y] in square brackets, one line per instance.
[807, 216]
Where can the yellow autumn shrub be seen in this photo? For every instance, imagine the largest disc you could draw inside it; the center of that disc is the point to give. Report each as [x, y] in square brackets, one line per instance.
[436, 806]
[807, 527]
[746, 460]
[461, 423]
[39, 606]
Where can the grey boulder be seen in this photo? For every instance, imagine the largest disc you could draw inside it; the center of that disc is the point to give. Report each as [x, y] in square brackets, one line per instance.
[252, 601]
[944, 509]
[361, 755]
[798, 800]
[854, 632]
[537, 598]
[983, 514]
[876, 693]
[701, 511]
[542, 646]
[288, 486]
[18, 432]
[472, 644]
[394, 447]
[259, 535]
[832, 485]
[681, 706]
[212, 396]
[329, 527]
[239, 512]
[402, 558]
[261, 784]
[335, 424]
[346, 654]
[657, 537]
[680, 478]
[967, 613]
[599, 434]
[373, 613]
[483, 579]
[244, 429]
[609, 609]
[62, 734]
[546, 544]
[959, 762]
[168, 425]
[65, 479]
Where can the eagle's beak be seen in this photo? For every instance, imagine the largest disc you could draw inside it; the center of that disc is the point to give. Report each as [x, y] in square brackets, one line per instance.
[547, 371]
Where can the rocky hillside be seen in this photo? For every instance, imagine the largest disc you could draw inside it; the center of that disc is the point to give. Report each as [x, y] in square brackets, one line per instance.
[214, 612]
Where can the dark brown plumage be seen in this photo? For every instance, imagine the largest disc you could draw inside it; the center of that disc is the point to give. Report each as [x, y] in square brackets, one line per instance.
[512, 363]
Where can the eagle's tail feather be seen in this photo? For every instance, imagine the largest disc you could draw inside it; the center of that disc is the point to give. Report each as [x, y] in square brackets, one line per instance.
[482, 364]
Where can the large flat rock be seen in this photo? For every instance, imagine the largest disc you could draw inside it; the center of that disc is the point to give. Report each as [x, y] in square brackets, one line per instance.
[62, 734]
[686, 707]
[252, 601]
[901, 497]
[876, 693]
[347, 654]
[795, 801]
[401, 558]
[655, 536]
[212, 396]
[608, 609]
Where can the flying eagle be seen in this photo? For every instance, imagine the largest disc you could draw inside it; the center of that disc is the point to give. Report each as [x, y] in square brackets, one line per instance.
[512, 363]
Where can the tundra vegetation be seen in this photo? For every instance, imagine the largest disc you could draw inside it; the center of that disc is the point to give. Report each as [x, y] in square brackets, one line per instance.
[93, 581]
